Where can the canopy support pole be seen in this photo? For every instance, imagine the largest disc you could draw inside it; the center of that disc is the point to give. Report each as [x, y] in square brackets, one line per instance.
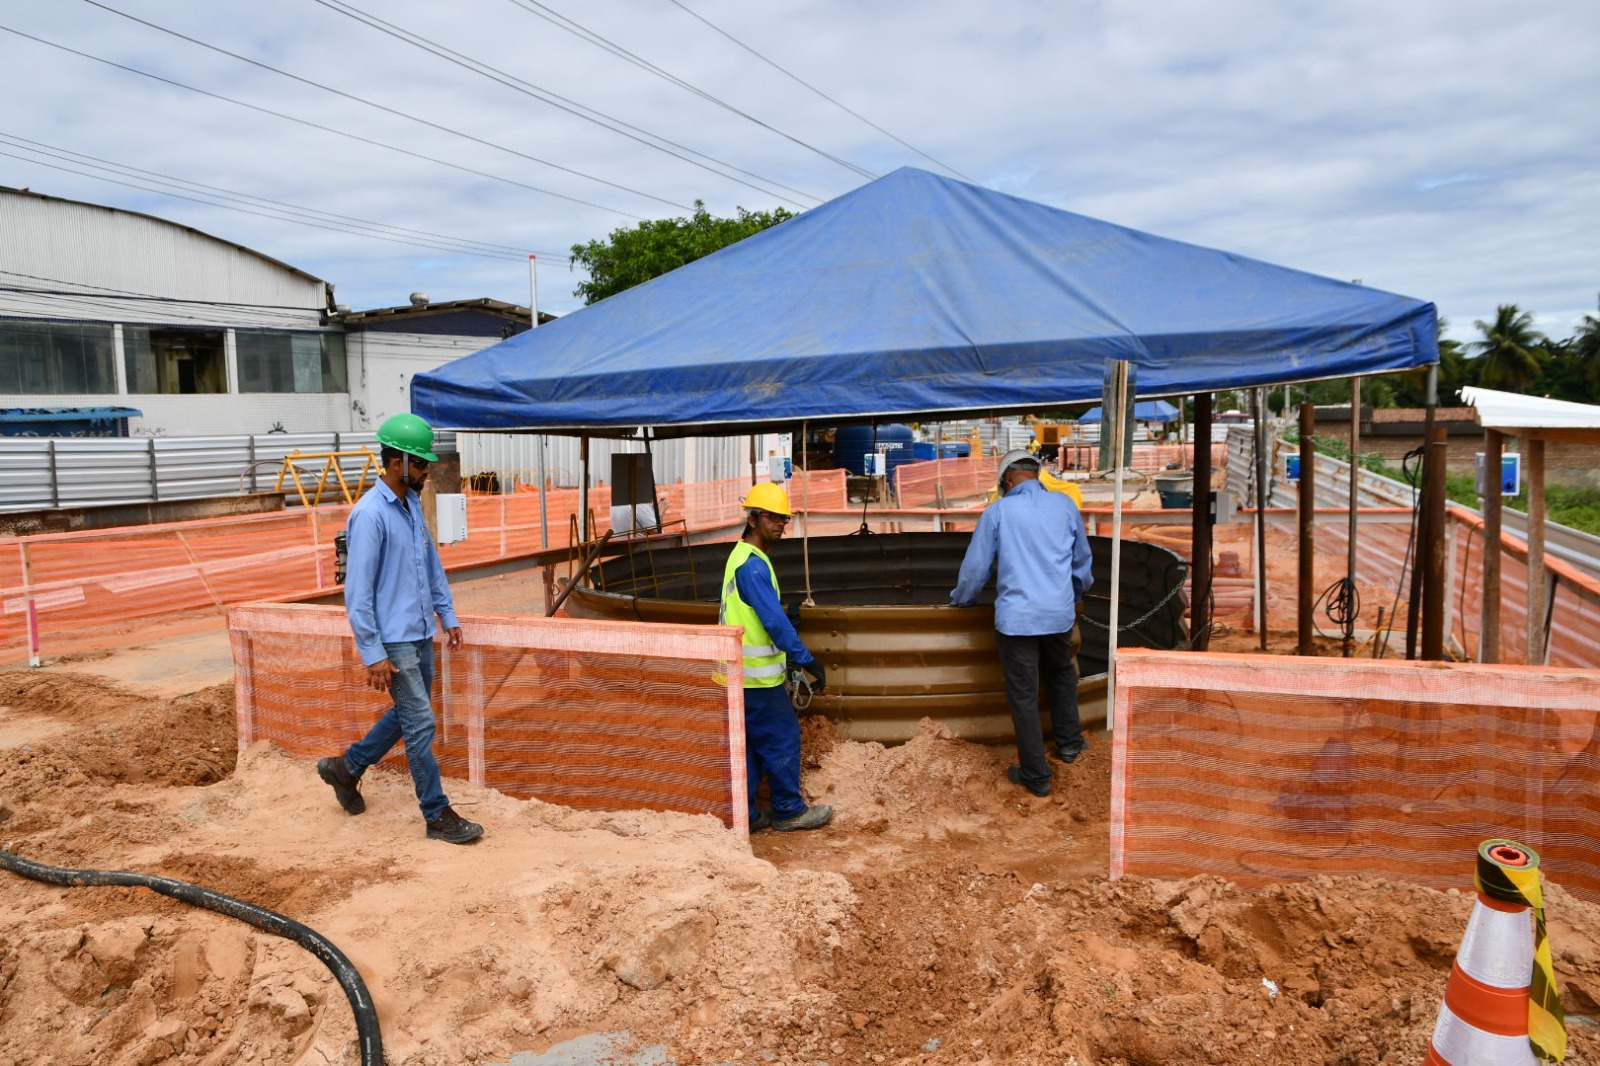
[805, 522]
[1119, 424]
[1200, 528]
[1355, 509]
[1262, 463]
[583, 489]
[1305, 622]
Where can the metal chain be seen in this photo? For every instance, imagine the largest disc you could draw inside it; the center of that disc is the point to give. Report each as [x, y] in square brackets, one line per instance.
[1151, 613]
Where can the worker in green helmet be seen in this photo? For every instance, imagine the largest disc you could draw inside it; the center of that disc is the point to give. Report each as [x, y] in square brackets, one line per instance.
[394, 589]
[750, 598]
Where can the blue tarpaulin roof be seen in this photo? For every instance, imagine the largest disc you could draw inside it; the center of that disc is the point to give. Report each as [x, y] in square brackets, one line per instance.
[1143, 411]
[917, 296]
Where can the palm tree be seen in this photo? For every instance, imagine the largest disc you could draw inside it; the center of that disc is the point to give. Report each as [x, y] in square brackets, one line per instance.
[1586, 347]
[1507, 356]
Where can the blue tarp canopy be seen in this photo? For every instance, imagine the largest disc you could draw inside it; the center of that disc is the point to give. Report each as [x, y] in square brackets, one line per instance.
[921, 297]
[1143, 411]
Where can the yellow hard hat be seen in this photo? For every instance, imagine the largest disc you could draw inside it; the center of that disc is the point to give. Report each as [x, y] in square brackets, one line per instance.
[768, 497]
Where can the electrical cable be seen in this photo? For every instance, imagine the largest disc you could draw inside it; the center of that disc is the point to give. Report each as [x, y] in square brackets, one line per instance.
[330, 129]
[556, 100]
[325, 219]
[381, 107]
[795, 77]
[368, 1034]
[1411, 539]
[617, 50]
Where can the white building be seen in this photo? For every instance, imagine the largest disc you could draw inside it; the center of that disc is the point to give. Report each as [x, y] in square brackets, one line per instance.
[101, 307]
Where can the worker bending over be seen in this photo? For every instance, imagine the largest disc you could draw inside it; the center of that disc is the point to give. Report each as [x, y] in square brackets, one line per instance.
[1044, 568]
[750, 598]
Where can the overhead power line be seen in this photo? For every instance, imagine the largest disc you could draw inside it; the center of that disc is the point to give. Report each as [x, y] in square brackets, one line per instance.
[148, 187]
[272, 208]
[533, 7]
[325, 129]
[796, 78]
[572, 107]
[381, 107]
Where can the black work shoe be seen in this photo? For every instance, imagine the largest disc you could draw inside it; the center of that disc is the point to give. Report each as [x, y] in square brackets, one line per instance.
[1014, 775]
[814, 817]
[1070, 755]
[453, 829]
[346, 786]
[762, 821]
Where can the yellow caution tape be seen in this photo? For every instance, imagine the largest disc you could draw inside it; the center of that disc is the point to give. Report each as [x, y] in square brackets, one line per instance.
[1509, 872]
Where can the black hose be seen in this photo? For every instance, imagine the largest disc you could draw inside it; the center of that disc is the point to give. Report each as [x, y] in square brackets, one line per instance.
[355, 989]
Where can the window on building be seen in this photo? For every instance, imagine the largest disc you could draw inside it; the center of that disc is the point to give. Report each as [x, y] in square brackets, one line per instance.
[44, 358]
[173, 361]
[291, 362]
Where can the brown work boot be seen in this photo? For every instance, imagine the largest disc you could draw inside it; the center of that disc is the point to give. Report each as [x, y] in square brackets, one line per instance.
[453, 829]
[346, 786]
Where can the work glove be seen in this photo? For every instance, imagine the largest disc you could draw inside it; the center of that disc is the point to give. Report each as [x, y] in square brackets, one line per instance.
[819, 681]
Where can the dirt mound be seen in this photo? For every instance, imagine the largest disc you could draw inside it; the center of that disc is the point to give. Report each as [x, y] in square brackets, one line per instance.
[946, 917]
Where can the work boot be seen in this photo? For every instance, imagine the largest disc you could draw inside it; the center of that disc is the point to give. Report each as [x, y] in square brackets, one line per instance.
[346, 786]
[453, 829]
[762, 820]
[814, 817]
[1070, 755]
[1014, 775]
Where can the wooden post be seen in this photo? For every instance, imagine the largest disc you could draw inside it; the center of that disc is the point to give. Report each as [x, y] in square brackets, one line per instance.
[1537, 593]
[1433, 500]
[1493, 516]
[1307, 507]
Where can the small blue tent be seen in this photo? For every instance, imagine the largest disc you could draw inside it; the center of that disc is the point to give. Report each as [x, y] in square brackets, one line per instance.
[917, 296]
[1143, 411]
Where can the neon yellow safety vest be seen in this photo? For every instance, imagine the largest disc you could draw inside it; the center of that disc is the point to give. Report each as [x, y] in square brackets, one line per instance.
[763, 661]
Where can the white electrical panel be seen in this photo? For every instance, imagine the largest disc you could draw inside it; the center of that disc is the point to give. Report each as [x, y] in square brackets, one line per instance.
[451, 517]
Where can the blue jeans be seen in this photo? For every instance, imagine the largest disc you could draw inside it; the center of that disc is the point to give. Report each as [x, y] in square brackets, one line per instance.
[411, 717]
[772, 746]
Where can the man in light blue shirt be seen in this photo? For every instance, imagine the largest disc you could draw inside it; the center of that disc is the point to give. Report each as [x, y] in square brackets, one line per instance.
[394, 587]
[1044, 568]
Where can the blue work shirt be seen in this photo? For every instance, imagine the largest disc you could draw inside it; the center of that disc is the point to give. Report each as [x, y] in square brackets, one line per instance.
[755, 589]
[394, 583]
[1044, 562]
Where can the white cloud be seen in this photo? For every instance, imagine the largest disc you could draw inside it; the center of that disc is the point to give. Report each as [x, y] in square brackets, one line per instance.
[1446, 150]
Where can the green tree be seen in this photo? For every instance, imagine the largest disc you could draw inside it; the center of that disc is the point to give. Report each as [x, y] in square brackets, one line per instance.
[1508, 355]
[629, 257]
[1586, 352]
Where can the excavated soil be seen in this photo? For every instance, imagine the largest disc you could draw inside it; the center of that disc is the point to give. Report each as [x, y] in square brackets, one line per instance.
[946, 917]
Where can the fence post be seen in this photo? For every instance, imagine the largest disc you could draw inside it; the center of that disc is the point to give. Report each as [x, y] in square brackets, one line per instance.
[55, 479]
[155, 479]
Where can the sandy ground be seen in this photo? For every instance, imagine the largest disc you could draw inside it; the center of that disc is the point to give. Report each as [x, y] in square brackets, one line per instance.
[945, 918]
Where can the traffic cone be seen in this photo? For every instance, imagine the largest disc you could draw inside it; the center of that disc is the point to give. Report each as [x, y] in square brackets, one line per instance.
[1500, 1005]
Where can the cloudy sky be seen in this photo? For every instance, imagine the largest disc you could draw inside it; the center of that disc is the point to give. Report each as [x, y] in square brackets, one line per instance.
[1444, 149]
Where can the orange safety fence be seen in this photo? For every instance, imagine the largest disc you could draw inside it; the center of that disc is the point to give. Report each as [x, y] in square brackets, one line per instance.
[593, 714]
[1272, 768]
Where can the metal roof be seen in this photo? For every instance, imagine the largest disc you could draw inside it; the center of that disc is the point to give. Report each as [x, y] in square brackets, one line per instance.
[1535, 417]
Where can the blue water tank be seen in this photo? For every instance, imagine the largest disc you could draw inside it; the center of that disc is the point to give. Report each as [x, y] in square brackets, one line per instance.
[852, 444]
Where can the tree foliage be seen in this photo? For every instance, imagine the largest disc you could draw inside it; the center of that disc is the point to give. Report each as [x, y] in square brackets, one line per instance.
[629, 257]
[1508, 355]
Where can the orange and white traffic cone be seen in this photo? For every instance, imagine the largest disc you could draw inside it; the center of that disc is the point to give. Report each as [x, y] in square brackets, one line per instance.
[1500, 1005]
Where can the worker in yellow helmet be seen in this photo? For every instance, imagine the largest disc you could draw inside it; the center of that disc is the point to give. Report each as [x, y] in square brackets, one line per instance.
[750, 598]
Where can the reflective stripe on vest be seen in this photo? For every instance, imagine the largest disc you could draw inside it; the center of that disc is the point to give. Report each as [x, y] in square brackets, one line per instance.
[763, 662]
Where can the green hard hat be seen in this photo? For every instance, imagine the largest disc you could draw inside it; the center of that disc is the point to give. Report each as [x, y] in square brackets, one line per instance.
[407, 433]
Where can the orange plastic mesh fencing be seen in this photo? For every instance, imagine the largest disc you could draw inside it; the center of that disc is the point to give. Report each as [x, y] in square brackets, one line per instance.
[110, 581]
[1075, 455]
[598, 715]
[1271, 768]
